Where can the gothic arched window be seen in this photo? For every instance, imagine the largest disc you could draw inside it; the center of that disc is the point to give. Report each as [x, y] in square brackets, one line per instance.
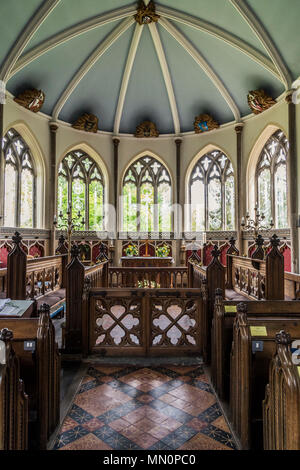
[271, 180]
[81, 186]
[19, 182]
[147, 197]
[212, 193]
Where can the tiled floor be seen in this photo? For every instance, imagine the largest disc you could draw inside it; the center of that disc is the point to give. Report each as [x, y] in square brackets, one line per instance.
[133, 407]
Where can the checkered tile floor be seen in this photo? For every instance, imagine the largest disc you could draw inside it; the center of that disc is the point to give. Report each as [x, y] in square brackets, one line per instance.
[150, 408]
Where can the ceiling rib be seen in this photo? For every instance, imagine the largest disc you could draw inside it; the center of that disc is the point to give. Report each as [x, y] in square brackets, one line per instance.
[199, 59]
[221, 34]
[126, 76]
[262, 34]
[89, 63]
[70, 33]
[24, 38]
[166, 74]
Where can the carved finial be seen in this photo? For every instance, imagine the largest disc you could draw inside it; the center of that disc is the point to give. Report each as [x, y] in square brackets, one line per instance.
[75, 251]
[259, 241]
[216, 252]
[219, 292]
[146, 13]
[275, 241]
[61, 240]
[6, 335]
[241, 308]
[232, 241]
[45, 308]
[283, 338]
[17, 238]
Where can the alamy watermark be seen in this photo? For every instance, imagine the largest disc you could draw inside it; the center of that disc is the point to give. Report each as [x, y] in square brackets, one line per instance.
[2, 92]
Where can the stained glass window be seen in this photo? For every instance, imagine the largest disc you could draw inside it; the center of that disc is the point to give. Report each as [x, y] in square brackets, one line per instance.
[147, 197]
[19, 182]
[271, 180]
[81, 185]
[212, 193]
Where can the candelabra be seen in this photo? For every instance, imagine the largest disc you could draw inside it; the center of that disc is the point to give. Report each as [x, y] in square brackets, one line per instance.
[257, 224]
[70, 224]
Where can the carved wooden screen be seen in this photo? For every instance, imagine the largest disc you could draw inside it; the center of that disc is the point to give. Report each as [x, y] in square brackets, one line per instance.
[145, 323]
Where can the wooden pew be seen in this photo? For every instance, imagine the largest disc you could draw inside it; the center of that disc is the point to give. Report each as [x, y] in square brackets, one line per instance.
[208, 279]
[78, 279]
[281, 406]
[13, 399]
[258, 279]
[40, 370]
[249, 371]
[222, 333]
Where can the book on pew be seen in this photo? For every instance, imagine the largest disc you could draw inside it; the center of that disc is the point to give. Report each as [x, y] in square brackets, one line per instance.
[14, 308]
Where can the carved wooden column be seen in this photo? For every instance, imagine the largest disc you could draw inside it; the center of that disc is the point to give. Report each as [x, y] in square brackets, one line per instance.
[292, 182]
[52, 180]
[1, 165]
[240, 191]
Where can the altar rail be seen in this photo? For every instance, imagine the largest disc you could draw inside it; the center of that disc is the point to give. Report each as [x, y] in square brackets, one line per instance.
[144, 322]
[3, 280]
[152, 277]
[255, 278]
[78, 279]
[13, 399]
[281, 407]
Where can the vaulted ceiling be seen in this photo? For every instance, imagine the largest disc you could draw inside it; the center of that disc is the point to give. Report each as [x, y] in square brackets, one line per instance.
[201, 57]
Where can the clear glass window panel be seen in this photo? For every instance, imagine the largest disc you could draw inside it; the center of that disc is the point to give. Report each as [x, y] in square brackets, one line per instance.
[164, 207]
[96, 208]
[130, 207]
[197, 206]
[229, 204]
[281, 212]
[78, 202]
[264, 195]
[62, 195]
[147, 208]
[10, 196]
[26, 214]
[214, 205]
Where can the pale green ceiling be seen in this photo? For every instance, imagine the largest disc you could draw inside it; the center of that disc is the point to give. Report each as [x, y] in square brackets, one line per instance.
[146, 96]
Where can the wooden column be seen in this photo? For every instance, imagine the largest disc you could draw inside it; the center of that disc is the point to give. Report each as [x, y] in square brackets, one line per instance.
[292, 183]
[1, 165]
[52, 180]
[176, 226]
[240, 192]
[116, 143]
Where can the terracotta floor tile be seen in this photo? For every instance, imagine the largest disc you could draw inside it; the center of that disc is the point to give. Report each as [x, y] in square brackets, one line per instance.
[145, 424]
[201, 442]
[131, 432]
[69, 423]
[221, 423]
[159, 432]
[88, 442]
[145, 398]
[93, 424]
[119, 424]
[167, 398]
[171, 424]
[145, 440]
[196, 424]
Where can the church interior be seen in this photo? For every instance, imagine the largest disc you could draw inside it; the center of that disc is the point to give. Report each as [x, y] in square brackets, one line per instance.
[149, 225]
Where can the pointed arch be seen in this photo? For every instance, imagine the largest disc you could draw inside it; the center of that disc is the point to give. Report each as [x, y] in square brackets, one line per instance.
[210, 191]
[146, 194]
[22, 128]
[256, 167]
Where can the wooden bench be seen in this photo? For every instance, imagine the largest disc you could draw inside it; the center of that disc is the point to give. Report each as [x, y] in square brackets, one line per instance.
[40, 370]
[222, 333]
[13, 399]
[257, 279]
[42, 279]
[281, 406]
[78, 279]
[249, 370]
